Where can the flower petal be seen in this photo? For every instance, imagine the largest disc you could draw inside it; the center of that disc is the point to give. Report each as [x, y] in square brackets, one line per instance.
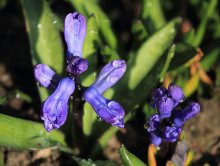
[109, 75]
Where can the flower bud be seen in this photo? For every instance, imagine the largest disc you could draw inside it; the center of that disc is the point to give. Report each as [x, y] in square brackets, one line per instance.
[171, 133]
[77, 65]
[180, 117]
[164, 106]
[74, 34]
[176, 93]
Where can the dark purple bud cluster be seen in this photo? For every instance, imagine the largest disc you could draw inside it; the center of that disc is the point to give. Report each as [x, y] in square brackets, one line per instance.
[55, 107]
[166, 125]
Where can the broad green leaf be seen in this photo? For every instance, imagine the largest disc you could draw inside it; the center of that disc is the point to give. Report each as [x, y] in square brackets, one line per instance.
[152, 14]
[45, 42]
[89, 162]
[90, 51]
[89, 118]
[184, 53]
[89, 7]
[128, 159]
[147, 56]
[23, 134]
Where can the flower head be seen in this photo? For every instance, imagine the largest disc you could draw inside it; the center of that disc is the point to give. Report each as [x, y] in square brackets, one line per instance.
[166, 125]
[108, 110]
[54, 110]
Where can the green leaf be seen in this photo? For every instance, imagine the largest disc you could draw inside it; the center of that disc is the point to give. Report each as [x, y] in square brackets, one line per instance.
[90, 51]
[23, 134]
[45, 41]
[210, 58]
[89, 7]
[128, 159]
[152, 15]
[184, 53]
[89, 162]
[203, 24]
[167, 63]
[1, 157]
[138, 30]
[147, 56]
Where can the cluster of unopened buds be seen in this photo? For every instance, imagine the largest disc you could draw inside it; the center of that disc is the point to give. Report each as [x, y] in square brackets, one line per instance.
[166, 125]
[55, 107]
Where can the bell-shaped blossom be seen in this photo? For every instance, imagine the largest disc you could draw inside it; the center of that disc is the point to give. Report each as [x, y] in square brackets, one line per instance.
[155, 138]
[74, 34]
[54, 109]
[171, 133]
[180, 117]
[176, 93]
[109, 75]
[46, 76]
[164, 105]
[108, 110]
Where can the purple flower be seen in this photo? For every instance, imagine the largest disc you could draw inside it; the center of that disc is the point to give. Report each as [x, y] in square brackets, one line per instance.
[180, 117]
[109, 75]
[74, 34]
[164, 106]
[153, 127]
[108, 110]
[54, 110]
[171, 133]
[46, 76]
[176, 93]
[77, 65]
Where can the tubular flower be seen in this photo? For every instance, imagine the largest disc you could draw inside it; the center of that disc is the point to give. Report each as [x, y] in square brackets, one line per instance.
[74, 34]
[180, 117]
[54, 110]
[166, 125]
[46, 76]
[108, 110]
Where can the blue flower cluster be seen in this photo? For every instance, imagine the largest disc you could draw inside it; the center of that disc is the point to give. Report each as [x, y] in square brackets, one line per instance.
[166, 125]
[55, 107]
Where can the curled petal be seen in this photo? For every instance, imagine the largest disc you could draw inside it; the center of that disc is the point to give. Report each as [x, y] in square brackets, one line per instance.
[176, 93]
[74, 34]
[77, 65]
[153, 123]
[108, 110]
[171, 133]
[46, 76]
[164, 106]
[180, 117]
[109, 75]
[54, 110]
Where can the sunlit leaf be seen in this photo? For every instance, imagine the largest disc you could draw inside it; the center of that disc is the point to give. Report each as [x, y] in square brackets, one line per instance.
[45, 42]
[128, 159]
[24, 134]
